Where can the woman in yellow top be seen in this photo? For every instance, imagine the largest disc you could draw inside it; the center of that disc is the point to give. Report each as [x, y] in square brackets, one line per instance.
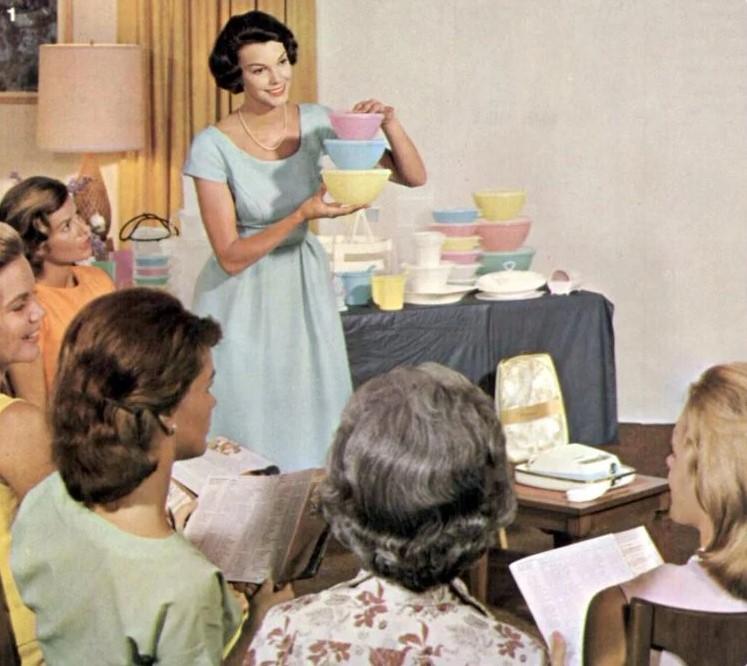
[56, 238]
[24, 445]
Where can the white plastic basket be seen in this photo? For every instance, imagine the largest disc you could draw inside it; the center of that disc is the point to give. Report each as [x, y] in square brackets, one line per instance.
[358, 250]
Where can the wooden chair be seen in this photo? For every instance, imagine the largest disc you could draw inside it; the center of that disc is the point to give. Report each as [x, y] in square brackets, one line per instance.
[699, 638]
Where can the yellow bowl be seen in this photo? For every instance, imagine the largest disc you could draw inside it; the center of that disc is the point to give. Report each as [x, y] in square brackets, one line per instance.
[356, 188]
[460, 243]
[499, 204]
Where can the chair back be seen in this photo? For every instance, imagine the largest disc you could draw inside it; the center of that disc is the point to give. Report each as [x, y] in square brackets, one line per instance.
[699, 638]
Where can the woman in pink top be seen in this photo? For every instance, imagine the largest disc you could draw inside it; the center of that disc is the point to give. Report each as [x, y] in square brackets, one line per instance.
[707, 480]
[56, 238]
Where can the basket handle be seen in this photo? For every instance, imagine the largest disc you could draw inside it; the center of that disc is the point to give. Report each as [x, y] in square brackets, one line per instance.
[362, 220]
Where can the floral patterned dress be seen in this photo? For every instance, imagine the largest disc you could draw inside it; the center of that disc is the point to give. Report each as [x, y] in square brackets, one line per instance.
[369, 620]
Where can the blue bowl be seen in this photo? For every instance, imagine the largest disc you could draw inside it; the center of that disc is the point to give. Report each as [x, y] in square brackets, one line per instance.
[355, 155]
[516, 260]
[357, 287]
[455, 215]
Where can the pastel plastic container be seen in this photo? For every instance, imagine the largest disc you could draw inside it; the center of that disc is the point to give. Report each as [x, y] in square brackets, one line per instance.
[469, 257]
[357, 287]
[356, 155]
[356, 188]
[504, 236]
[452, 229]
[357, 126]
[499, 204]
[455, 215]
[461, 243]
[518, 260]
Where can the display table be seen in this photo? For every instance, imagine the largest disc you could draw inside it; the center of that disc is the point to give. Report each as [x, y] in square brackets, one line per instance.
[473, 335]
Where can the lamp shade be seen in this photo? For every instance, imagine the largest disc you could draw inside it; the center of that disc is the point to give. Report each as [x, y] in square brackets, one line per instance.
[91, 98]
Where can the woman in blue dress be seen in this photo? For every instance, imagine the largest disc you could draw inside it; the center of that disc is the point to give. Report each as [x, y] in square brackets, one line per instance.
[282, 375]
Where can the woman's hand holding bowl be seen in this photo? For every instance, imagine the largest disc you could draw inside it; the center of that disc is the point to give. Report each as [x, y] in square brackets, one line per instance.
[375, 106]
[315, 207]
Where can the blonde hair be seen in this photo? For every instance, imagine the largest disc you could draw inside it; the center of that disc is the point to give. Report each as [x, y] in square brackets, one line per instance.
[715, 439]
[11, 245]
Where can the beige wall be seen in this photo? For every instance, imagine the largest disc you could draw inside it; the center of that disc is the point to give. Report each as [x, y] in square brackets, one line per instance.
[624, 121]
[92, 20]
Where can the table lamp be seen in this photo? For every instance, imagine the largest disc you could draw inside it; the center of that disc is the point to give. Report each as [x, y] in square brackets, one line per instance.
[91, 100]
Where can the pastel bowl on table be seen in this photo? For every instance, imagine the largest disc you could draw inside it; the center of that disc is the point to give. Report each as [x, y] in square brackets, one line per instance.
[355, 188]
[356, 126]
[503, 236]
[499, 204]
[455, 215]
[463, 272]
[461, 243]
[516, 260]
[468, 257]
[427, 279]
[357, 286]
[454, 229]
[355, 155]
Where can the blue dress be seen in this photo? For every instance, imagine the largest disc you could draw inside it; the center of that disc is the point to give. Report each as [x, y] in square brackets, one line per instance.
[282, 375]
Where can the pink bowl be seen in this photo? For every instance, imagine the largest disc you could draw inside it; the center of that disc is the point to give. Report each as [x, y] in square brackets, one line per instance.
[456, 229]
[503, 236]
[468, 257]
[357, 126]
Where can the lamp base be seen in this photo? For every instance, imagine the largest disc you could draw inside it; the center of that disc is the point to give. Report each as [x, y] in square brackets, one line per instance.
[91, 197]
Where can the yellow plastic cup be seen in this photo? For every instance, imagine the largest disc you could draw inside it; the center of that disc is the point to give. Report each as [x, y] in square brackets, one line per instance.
[388, 291]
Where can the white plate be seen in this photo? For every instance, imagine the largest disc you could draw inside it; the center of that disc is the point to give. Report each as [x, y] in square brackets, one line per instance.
[447, 290]
[466, 282]
[434, 299]
[518, 296]
[510, 282]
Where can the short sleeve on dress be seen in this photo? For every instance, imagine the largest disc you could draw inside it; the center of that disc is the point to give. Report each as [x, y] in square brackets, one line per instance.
[205, 159]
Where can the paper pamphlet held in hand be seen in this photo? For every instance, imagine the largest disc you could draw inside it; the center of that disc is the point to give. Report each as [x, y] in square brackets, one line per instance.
[259, 527]
[559, 584]
[222, 457]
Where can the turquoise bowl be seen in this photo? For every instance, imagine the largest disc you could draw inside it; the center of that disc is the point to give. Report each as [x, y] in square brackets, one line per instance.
[516, 260]
[357, 287]
[455, 215]
[355, 155]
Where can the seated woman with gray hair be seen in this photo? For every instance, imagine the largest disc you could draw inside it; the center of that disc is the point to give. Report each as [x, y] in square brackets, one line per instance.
[417, 488]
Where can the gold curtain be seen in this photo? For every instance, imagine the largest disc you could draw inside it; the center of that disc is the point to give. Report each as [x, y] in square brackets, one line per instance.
[181, 95]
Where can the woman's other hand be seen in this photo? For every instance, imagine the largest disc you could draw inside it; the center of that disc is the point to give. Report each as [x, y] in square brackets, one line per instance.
[375, 106]
[315, 207]
[557, 649]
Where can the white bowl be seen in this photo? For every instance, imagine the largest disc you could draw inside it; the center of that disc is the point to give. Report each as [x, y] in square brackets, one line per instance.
[463, 271]
[427, 279]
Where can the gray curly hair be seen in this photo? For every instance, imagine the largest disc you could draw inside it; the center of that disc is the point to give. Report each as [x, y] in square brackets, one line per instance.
[417, 482]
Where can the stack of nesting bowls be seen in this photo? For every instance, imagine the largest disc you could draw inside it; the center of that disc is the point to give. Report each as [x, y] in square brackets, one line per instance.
[462, 244]
[152, 268]
[502, 231]
[355, 153]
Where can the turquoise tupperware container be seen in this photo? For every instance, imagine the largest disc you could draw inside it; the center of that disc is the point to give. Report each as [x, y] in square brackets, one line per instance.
[516, 260]
[357, 286]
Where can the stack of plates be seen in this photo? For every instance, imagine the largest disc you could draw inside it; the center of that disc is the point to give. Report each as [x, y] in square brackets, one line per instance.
[510, 286]
[451, 293]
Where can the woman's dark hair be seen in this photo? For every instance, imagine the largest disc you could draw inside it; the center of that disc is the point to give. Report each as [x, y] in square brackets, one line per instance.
[126, 358]
[417, 483]
[250, 28]
[27, 206]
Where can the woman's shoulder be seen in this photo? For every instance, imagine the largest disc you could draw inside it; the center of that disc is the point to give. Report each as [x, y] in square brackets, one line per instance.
[95, 278]
[314, 116]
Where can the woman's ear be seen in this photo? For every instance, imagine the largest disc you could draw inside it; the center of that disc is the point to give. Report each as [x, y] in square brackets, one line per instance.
[168, 426]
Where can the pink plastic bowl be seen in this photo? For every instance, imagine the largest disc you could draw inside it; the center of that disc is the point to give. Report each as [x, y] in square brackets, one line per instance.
[358, 126]
[469, 257]
[456, 229]
[503, 236]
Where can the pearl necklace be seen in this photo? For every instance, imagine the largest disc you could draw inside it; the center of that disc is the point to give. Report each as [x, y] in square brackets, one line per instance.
[274, 146]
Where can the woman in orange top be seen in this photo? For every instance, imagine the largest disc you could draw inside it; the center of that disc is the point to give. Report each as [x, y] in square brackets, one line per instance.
[56, 238]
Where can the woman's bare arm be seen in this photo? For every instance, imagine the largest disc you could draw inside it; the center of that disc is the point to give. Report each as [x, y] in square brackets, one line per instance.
[25, 449]
[28, 382]
[604, 634]
[235, 253]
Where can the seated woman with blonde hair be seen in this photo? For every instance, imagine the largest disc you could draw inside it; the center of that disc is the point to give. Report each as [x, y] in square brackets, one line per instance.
[94, 554]
[707, 481]
[24, 445]
[417, 488]
[56, 238]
